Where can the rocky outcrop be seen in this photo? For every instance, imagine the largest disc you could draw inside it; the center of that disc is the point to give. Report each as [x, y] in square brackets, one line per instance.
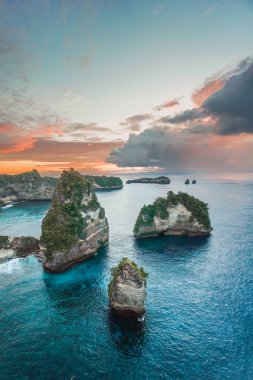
[177, 214]
[159, 180]
[127, 288]
[14, 247]
[75, 226]
[29, 186]
[187, 182]
[105, 183]
[194, 181]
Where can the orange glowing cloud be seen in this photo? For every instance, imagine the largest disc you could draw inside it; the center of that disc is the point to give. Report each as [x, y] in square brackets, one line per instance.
[50, 156]
[22, 145]
[16, 139]
[50, 130]
[220, 153]
[12, 140]
[209, 88]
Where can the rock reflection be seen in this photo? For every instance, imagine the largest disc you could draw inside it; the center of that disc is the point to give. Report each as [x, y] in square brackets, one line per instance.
[181, 245]
[128, 333]
[78, 291]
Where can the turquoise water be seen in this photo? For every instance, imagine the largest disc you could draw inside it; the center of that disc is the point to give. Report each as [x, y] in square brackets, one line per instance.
[198, 324]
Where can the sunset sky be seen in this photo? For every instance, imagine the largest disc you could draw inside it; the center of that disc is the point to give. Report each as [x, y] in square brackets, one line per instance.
[114, 86]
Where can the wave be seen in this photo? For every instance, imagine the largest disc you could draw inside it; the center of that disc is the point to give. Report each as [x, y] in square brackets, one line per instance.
[8, 206]
[11, 265]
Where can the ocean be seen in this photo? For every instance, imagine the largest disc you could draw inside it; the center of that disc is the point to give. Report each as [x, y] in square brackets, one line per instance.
[199, 307]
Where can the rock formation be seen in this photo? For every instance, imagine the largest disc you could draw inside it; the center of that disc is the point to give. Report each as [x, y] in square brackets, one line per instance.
[105, 183]
[75, 225]
[31, 186]
[194, 181]
[26, 187]
[187, 182]
[159, 180]
[177, 214]
[13, 247]
[127, 288]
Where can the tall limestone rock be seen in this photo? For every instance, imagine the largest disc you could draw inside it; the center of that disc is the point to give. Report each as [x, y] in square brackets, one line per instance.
[127, 288]
[75, 226]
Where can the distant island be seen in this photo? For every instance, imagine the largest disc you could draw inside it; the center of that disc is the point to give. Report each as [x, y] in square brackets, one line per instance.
[31, 186]
[105, 183]
[159, 180]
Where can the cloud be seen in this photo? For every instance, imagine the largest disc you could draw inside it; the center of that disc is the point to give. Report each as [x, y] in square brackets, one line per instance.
[160, 8]
[230, 109]
[209, 87]
[134, 123]
[12, 140]
[210, 9]
[153, 147]
[83, 127]
[182, 150]
[7, 46]
[45, 150]
[205, 137]
[168, 104]
[186, 116]
[18, 105]
[82, 61]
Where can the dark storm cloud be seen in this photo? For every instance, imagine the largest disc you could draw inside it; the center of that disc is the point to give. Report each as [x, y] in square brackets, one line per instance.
[153, 147]
[196, 138]
[185, 116]
[230, 108]
[233, 104]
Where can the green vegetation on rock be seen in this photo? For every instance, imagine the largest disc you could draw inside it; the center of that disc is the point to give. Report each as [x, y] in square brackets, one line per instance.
[116, 271]
[64, 223]
[6, 179]
[92, 205]
[4, 242]
[106, 182]
[198, 208]
[160, 208]
[148, 213]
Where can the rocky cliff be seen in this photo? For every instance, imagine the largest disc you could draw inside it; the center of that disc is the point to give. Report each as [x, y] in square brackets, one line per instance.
[26, 186]
[127, 289]
[177, 214]
[31, 186]
[159, 180]
[13, 247]
[75, 225]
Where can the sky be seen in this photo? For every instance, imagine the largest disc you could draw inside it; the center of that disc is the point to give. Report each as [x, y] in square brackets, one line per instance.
[115, 86]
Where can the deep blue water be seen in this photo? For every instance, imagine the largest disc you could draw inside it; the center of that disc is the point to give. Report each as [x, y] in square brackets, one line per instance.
[198, 324]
